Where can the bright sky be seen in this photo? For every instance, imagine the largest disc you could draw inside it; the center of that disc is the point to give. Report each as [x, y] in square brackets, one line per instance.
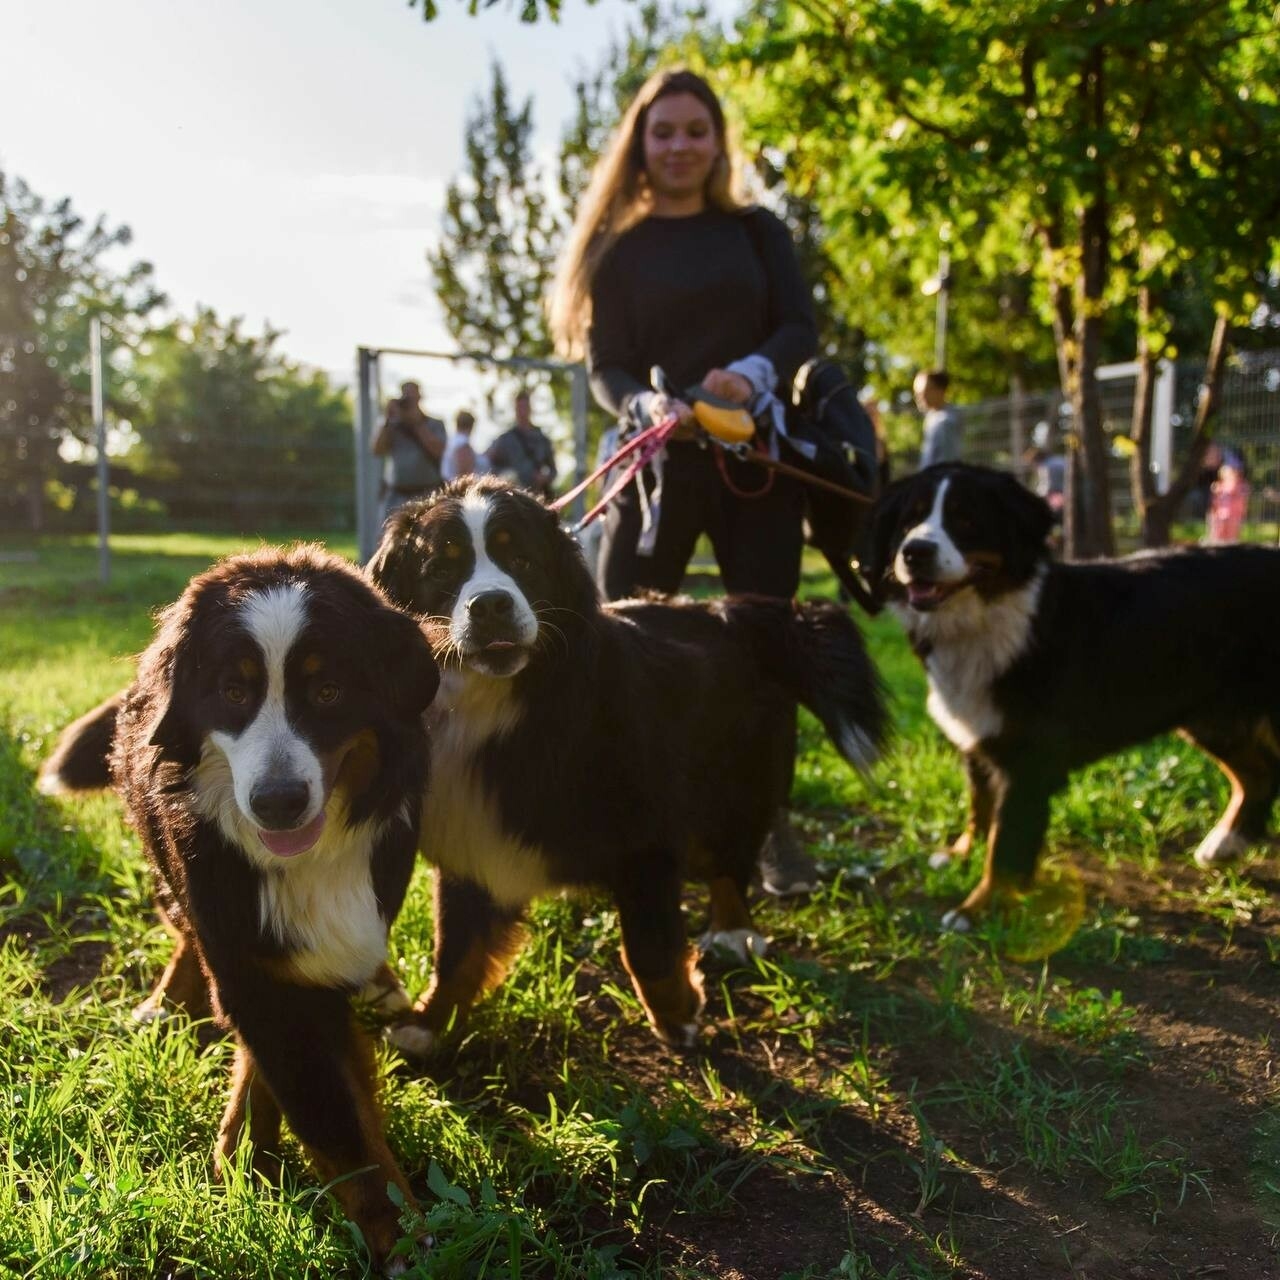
[281, 160]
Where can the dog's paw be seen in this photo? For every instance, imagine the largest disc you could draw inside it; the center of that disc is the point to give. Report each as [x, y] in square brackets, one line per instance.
[1220, 847]
[384, 996]
[943, 858]
[149, 1011]
[412, 1040]
[955, 921]
[737, 944]
[683, 1035]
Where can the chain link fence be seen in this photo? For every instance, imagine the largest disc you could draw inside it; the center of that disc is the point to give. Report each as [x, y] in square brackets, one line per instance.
[1000, 432]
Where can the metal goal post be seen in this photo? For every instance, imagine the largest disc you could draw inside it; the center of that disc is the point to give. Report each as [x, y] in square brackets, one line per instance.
[368, 407]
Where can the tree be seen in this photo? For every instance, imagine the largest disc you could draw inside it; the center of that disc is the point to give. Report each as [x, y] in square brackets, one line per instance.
[530, 10]
[497, 248]
[55, 274]
[232, 431]
[1037, 131]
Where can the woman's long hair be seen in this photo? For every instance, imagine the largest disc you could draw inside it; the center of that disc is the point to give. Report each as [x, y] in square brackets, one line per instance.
[618, 197]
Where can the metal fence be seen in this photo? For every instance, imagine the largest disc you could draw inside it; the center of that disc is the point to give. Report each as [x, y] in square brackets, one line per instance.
[999, 432]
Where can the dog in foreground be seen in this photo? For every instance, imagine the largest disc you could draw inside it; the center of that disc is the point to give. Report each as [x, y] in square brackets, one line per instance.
[272, 756]
[1036, 668]
[622, 747]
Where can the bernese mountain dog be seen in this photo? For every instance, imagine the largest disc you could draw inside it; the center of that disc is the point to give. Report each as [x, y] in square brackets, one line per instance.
[621, 747]
[1037, 668]
[272, 756]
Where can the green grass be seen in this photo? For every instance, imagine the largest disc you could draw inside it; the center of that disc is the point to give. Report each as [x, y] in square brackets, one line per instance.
[870, 1063]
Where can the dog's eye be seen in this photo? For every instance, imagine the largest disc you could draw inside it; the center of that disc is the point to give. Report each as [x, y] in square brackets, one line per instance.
[236, 694]
[440, 569]
[327, 694]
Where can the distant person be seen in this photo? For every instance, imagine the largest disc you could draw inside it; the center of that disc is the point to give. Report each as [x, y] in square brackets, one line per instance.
[1048, 470]
[524, 452]
[1228, 502]
[943, 427]
[412, 445]
[460, 457]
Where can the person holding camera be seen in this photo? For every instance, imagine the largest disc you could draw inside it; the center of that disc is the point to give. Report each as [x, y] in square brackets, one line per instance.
[412, 445]
[523, 452]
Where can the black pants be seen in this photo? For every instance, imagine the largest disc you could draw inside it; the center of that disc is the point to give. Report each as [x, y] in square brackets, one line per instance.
[757, 539]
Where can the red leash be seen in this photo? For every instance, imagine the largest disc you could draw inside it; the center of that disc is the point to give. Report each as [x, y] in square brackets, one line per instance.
[649, 442]
[645, 446]
[748, 454]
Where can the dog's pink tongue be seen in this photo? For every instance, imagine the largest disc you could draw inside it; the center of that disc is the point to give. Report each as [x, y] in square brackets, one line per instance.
[287, 844]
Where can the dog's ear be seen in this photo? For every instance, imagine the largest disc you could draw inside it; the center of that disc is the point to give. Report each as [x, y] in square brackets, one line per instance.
[401, 654]
[882, 528]
[171, 665]
[391, 566]
[1030, 522]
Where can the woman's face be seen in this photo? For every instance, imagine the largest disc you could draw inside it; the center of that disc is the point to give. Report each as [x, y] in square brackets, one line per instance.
[680, 145]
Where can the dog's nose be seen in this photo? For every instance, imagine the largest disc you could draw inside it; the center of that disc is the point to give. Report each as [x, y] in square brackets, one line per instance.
[279, 803]
[490, 606]
[919, 553]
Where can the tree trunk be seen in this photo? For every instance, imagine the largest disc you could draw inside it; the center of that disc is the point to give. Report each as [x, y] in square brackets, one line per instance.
[1155, 533]
[1163, 508]
[1094, 536]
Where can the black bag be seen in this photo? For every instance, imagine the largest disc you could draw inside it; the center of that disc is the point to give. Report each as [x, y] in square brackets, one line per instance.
[826, 414]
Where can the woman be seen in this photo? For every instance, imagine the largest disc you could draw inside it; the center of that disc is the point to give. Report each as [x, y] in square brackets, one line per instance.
[665, 267]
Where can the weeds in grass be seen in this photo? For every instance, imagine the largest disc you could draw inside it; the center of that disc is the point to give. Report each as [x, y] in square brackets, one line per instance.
[551, 1139]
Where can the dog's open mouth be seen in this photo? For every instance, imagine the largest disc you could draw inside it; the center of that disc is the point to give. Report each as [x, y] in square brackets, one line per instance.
[498, 657]
[926, 596]
[288, 844]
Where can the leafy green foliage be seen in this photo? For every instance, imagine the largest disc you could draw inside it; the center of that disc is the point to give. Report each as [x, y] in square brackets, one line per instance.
[56, 272]
[885, 1089]
[497, 248]
[1066, 151]
[229, 429]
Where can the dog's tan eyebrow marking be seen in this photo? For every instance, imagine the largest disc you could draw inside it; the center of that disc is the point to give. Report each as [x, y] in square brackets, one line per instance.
[247, 669]
[501, 538]
[311, 664]
[451, 549]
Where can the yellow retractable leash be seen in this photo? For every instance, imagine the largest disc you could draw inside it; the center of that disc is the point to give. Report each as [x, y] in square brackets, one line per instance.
[717, 416]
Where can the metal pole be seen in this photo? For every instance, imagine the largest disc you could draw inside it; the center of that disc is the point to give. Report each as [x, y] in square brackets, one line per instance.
[100, 437]
[373, 476]
[364, 459]
[1162, 426]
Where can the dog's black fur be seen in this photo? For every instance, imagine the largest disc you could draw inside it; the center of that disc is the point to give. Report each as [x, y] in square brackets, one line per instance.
[272, 756]
[621, 747]
[1037, 668]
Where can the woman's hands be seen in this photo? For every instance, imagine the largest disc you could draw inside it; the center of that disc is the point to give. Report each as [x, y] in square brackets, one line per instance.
[662, 407]
[732, 387]
[728, 386]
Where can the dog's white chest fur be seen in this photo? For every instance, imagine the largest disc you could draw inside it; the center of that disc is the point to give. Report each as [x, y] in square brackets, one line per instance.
[971, 643]
[325, 910]
[462, 830]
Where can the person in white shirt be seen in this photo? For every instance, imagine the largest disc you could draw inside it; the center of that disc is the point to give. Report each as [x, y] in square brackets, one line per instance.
[460, 457]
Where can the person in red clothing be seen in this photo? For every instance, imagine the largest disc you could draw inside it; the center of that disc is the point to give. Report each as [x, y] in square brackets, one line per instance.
[1228, 502]
[666, 267]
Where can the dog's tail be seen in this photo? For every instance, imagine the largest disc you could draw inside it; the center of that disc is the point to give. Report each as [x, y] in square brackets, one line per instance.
[816, 651]
[81, 760]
